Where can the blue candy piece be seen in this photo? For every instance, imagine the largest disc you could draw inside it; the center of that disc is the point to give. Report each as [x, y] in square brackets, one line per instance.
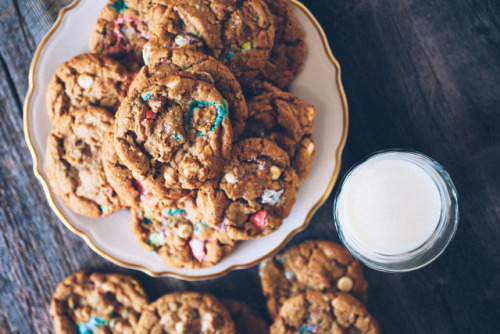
[93, 323]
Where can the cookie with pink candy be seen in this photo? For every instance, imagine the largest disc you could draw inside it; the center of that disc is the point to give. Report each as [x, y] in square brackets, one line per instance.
[179, 235]
[121, 31]
[255, 192]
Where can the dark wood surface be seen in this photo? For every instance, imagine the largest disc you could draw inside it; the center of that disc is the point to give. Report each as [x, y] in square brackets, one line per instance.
[422, 75]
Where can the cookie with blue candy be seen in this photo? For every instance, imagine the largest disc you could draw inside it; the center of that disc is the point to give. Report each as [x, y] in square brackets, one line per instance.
[121, 31]
[91, 302]
[173, 132]
[238, 33]
[179, 235]
[206, 68]
[317, 312]
[255, 192]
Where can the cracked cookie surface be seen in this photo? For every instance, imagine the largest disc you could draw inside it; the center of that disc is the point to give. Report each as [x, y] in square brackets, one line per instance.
[238, 33]
[288, 121]
[289, 51]
[87, 80]
[173, 133]
[89, 302]
[74, 165]
[324, 313]
[179, 236]
[130, 191]
[208, 69]
[186, 312]
[312, 265]
[121, 31]
[255, 193]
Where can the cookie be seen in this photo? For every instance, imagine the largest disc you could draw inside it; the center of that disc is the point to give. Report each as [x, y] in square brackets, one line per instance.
[129, 190]
[287, 120]
[289, 51]
[255, 193]
[74, 165]
[259, 87]
[179, 237]
[173, 133]
[208, 69]
[186, 312]
[89, 302]
[87, 80]
[312, 265]
[121, 31]
[237, 33]
[247, 321]
[324, 313]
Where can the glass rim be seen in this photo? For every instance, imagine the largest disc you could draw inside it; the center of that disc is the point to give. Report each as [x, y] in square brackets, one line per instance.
[434, 246]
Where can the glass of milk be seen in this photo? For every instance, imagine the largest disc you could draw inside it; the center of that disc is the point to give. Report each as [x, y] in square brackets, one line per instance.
[396, 210]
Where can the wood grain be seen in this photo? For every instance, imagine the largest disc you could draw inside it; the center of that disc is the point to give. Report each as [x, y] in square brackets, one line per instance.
[421, 75]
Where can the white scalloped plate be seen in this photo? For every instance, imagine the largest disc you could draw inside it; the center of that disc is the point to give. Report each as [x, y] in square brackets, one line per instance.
[319, 84]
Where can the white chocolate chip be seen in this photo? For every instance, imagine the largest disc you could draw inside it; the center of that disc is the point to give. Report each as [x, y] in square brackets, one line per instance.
[345, 284]
[179, 327]
[310, 148]
[107, 286]
[146, 53]
[169, 174]
[173, 83]
[191, 168]
[230, 177]
[207, 322]
[328, 253]
[85, 81]
[311, 113]
[275, 172]
[184, 231]
[289, 275]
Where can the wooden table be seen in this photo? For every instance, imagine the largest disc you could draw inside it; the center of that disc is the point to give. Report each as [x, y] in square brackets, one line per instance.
[422, 75]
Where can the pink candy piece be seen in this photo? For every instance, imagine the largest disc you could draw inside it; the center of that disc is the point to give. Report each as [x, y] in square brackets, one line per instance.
[108, 191]
[259, 218]
[135, 23]
[198, 248]
[150, 115]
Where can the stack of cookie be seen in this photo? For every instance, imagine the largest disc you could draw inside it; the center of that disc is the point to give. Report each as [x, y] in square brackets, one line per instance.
[90, 302]
[316, 287]
[157, 120]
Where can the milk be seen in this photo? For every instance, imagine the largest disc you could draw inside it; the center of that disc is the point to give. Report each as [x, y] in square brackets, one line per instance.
[389, 205]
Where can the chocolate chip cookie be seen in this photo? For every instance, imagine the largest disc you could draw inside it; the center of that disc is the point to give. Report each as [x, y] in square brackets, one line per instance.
[324, 313]
[186, 312]
[287, 120]
[255, 193]
[178, 235]
[208, 69]
[238, 33]
[87, 80]
[312, 265]
[173, 133]
[289, 51]
[247, 321]
[121, 31]
[74, 165]
[89, 302]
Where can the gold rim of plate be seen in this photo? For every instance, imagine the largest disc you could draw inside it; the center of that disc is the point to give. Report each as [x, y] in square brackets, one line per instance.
[167, 272]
